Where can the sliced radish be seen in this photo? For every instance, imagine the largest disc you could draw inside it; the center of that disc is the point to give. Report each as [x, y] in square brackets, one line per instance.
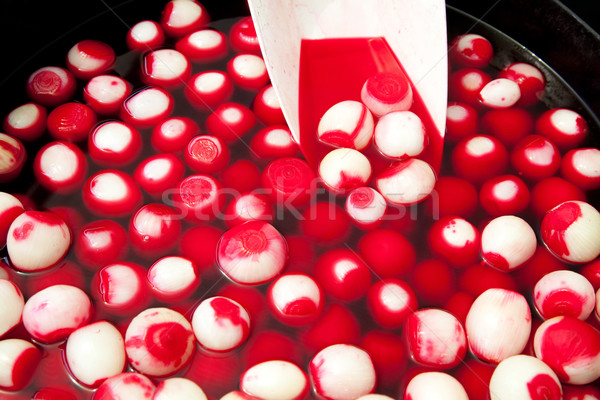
[206, 154]
[387, 92]
[273, 142]
[178, 388]
[242, 36]
[344, 169]
[524, 377]
[565, 128]
[289, 181]
[20, 360]
[94, 353]
[203, 46]
[26, 122]
[53, 313]
[144, 36]
[71, 121]
[114, 144]
[111, 193]
[105, 93]
[158, 174]
[154, 229]
[127, 385]
[51, 86]
[564, 293]
[220, 324]
[230, 121]
[275, 380]
[180, 17]
[199, 198]
[37, 240]
[248, 71]
[147, 106]
[267, 108]
[530, 79]
[159, 341]
[507, 242]
[346, 124]
[173, 134]
[503, 195]
[582, 167]
[406, 182]
[343, 274]
[208, 89]
[100, 242]
[173, 278]
[252, 253]
[120, 288]
[13, 300]
[470, 50]
[366, 207]
[89, 58]
[535, 157]
[390, 301]
[166, 68]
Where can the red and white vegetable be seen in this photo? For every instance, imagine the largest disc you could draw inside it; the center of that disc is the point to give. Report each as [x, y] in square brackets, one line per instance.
[220, 324]
[346, 124]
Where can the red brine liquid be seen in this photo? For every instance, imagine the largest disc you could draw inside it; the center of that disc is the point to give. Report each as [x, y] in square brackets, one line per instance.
[334, 70]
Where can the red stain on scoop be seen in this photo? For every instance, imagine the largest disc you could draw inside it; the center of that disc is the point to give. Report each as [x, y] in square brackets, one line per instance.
[544, 387]
[555, 224]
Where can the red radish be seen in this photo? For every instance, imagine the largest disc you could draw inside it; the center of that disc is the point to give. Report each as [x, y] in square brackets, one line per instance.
[252, 253]
[564, 293]
[541, 263]
[199, 198]
[158, 174]
[508, 125]
[12, 298]
[114, 144]
[51, 86]
[470, 50]
[111, 193]
[582, 167]
[220, 324]
[388, 353]
[242, 36]
[326, 224]
[144, 36]
[147, 107]
[37, 240]
[400, 134]
[433, 281]
[504, 194]
[203, 46]
[173, 278]
[524, 377]
[53, 313]
[390, 301]
[465, 84]
[343, 274]
[459, 304]
[26, 122]
[105, 93]
[435, 338]
[178, 388]
[592, 272]
[71, 121]
[336, 325]
[267, 108]
[127, 385]
[434, 385]
[570, 230]
[535, 157]
[89, 58]
[20, 359]
[166, 68]
[10, 208]
[507, 242]
[563, 127]
[12, 157]
[60, 167]
[154, 229]
[295, 299]
[248, 71]
[272, 142]
[387, 92]
[180, 17]
[479, 158]
[388, 253]
[173, 134]
[242, 176]
[266, 344]
[208, 89]
[550, 192]
[290, 182]
[452, 197]
[159, 341]
[366, 207]
[72, 216]
[500, 93]
[462, 121]
[275, 380]
[530, 79]
[120, 288]
[571, 347]
[406, 182]
[206, 154]
[342, 372]
[248, 207]
[100, 242]
[346, 124]
[204, 257]
[230, 121]
[94, 353]
[478, 278]
[455, 240]
[498, 325]
[344, 169]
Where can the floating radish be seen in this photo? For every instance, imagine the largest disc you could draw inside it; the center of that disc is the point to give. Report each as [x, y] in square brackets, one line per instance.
[51, 86]
[248, 71]
[20, 359]
[434, 385]
[166, 68]
[507, 242]
[346, 124]
[504, 195]
[342, 372]
[252, 253]
[535, 157]
[100, 242]
[531, 81]
[173, 134]
[366, 207]
[337, 324]
[111, 193]
[60, 167]
[26, 122]
[248, 207]
[390, 301]
[509, 125]
[230, 121]
[479, 158]
[12, 298]
[105, 93]
[550, 192]
[462, 121]
[296, 299]
[178, 388]
[289, 181]
[387, 92]
[94, 353]
[243, 36]
[145, 35]
[127, 385]
[400, 134]
[10, 208]
[53, 313]
[208, 89]
[470, 50]
[275, 380]
[388, 253]
[120, 288]
[89, 58]
[158, 174]
[267, 108]
[582, 167]
[147, 107]
[563, 127]
[342, 274]
[456, 240]
[498, 324]
[500, 93]
[273, 142]
[203, 46]
[12, 157]
[114, 144]
[465, 84]
[206, 154]
[522, 377]
[406, 182]
[173, 278]
[565, 293]
[37, 240]
[180, 17]
[570, 230]
[220, 324]
[159, 341]
[324, 223]
[198, 198]
[154, 229]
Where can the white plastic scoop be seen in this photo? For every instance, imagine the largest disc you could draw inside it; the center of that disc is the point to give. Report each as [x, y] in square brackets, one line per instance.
[414, 29]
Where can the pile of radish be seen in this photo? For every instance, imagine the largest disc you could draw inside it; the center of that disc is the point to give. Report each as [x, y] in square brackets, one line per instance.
[187, 250]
